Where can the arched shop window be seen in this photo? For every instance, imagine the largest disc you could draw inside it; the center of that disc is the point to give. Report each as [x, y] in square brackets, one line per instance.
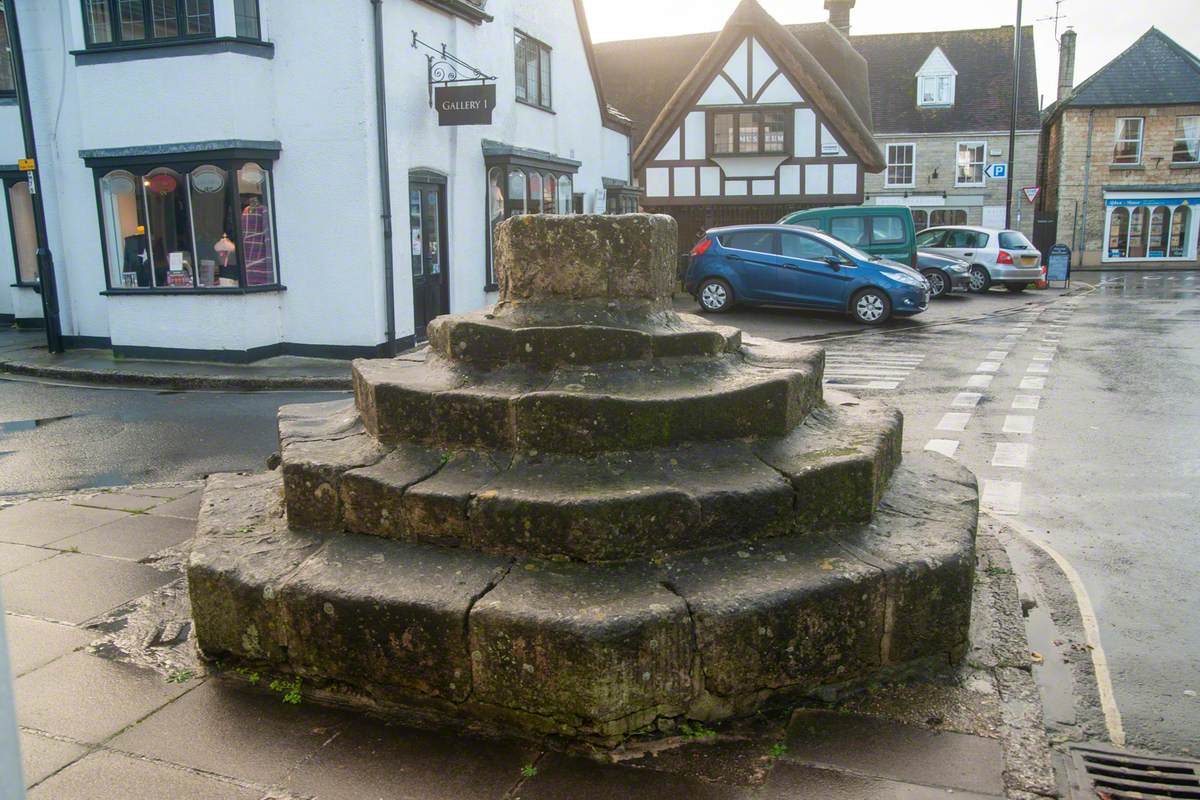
[1180, 220]
[947, 216]
[186, 227]
[1118, 232]
[24, 235]
[920, 219]
[523, 189]
[1157, 247]
[1137, 232]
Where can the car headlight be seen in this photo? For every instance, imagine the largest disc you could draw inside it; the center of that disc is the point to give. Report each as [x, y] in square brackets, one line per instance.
[903, 277]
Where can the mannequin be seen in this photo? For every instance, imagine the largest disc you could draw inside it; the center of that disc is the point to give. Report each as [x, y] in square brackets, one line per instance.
[137, 256]
[256, 243]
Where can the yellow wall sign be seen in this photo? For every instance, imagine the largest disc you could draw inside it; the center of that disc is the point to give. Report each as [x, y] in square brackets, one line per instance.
[26, 165]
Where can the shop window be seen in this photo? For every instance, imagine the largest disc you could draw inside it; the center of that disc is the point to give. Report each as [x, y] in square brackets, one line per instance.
[749, 132]
[1180, 220]
[516, 190]
[24, 235]
[947, 216]
[1187, 141]
[920, 219]
[533, 71]
[1118, 232]
[7, 87]
[901, 160]
[1157, 245]
[1128, 147]
[109, 23]
[188, 227]
[1137, 233]
[970, 164]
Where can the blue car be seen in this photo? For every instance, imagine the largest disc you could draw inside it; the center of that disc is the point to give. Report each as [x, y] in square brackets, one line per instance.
[792, 265]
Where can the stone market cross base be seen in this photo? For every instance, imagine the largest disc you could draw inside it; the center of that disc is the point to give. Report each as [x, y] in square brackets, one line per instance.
[580, 514]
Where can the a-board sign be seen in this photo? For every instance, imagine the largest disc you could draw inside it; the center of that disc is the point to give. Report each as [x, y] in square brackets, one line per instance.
[1058, 263]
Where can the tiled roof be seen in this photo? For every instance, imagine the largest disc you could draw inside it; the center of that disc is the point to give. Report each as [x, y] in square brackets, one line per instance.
[983, 88]
[1154, 70]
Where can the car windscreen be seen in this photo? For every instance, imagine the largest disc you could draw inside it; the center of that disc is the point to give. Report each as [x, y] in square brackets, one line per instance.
[1014, 240]
[839, 246]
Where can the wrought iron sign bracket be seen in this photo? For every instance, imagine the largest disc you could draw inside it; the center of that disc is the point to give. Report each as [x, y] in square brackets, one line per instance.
[445, 68]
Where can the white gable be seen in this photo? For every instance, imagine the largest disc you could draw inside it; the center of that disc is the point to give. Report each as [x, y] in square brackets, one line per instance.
[738, 67]
[719, 93]
[780, 90]
[670, 151]
[763, 67]
[936, 64]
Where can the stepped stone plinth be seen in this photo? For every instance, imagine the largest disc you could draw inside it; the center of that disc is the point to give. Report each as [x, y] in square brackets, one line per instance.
[580, 513]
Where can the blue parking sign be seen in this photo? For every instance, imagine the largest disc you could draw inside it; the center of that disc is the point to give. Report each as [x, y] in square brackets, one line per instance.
[997, 170]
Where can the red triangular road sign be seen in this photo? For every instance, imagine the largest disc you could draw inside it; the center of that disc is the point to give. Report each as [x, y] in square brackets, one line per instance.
[1031, 192]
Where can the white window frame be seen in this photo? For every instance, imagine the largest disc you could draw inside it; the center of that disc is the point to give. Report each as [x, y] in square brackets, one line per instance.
[1181, 137]
[982, 163]
[1117, 140]
[940, 100]
[911, 164]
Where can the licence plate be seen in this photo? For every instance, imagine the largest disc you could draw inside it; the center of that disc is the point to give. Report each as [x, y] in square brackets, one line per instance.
[1029, 261]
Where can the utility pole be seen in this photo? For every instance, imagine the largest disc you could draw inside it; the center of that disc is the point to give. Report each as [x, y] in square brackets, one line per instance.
[47, 286]
[1012, 119]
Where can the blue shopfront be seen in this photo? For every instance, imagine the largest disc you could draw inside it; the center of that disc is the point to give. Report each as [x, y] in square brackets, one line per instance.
[1151, 225]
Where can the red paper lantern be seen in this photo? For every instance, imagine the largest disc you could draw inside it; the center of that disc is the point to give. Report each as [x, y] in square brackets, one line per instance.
[162, 183]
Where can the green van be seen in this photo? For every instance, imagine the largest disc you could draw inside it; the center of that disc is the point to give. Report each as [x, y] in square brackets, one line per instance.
[884, 231]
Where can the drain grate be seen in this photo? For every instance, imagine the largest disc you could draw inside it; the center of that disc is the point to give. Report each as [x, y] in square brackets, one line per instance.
[1100, 773]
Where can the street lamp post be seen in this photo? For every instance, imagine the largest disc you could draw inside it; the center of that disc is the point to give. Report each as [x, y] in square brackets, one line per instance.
[1012, 119]
[47, 287]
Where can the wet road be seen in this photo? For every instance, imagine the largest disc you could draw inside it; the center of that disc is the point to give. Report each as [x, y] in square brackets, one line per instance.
[55, 437]
[1082, 421]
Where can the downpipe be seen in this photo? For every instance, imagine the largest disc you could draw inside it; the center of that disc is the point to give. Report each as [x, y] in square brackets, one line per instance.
[385, 183]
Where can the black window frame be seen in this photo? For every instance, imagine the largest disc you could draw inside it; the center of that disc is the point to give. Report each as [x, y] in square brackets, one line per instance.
[9, 91]
[506, 164]
[237, 21]
[149, 39]
[523, 39]
[230, 161]
[7, 180]
[788, 119]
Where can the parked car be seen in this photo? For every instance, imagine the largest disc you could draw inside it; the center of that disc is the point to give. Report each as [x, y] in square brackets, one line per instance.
[884, 231]
[799, 266]
[946, 275]
[999, 257]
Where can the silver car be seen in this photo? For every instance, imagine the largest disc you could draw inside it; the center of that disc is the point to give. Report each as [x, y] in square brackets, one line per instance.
[996, 256]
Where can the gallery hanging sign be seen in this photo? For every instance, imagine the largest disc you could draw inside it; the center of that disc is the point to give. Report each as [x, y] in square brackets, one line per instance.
[465, 104]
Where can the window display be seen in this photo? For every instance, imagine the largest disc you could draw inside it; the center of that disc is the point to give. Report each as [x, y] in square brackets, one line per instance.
[517, 190]
[201, 226]
[1141, 228]
[24, 236]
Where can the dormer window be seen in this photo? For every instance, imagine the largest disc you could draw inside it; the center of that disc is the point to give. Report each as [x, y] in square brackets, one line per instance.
[935, 81]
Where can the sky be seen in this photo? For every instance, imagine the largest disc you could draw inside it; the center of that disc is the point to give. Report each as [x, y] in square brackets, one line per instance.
[1104, 27]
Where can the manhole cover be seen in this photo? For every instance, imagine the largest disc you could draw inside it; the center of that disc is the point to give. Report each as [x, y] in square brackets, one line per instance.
[1109, 774]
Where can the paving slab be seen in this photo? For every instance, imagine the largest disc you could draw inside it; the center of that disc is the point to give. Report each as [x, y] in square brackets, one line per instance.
[233, 731]
[73, 587]
[375, 760]
[740, 760]
[89, 698]
[561, 777]
[792, 782]
[15, 556]
[42, 756]
[169, 492]
[118, 500]
[133, 537]
[33, 643]
[884, 749]
[186, 506]
[40, 522]
[106, 776]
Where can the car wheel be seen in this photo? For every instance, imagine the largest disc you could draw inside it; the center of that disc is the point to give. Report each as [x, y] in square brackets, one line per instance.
[939, 284]
[871, 306]
[714, 295]
[981, 281]
[1016, 287]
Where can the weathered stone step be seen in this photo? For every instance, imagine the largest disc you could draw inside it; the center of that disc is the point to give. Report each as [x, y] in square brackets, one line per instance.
[483, 340]
[609, 507]
[595, 652]
[583, 409]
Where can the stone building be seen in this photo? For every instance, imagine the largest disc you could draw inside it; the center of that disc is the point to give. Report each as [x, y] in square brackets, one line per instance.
[214, 190]
[938, 106]
[1120, 161]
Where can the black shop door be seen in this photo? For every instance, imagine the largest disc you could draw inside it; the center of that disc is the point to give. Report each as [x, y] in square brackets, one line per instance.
[430, 272]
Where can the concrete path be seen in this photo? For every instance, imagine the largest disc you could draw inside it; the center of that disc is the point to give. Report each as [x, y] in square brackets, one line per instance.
[112, 703]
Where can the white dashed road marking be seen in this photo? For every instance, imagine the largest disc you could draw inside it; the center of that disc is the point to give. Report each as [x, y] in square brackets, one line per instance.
[988, 366]
[1016, 423]
[979, 381]
[954, 421]
[966, 400]
[1033, 383]
[1001, 497]
[878, 369]
[946, 447]
[1011, 454]
[1038, 368]
[1027, 401]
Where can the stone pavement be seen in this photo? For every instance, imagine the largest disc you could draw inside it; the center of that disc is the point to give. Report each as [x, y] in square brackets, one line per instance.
[113, 704]
[23, 352]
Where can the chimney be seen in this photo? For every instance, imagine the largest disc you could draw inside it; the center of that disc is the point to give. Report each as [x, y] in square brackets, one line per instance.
[1066, 63]
[839, 14]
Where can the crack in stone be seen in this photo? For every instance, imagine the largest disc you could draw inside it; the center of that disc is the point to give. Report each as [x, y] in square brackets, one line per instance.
[488, 587]
[889, 610]
[698, 667]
